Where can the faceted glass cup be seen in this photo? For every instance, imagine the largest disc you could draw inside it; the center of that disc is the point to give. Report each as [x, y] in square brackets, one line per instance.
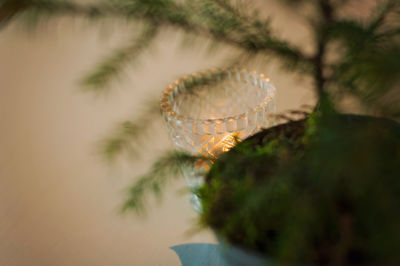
[207, 112]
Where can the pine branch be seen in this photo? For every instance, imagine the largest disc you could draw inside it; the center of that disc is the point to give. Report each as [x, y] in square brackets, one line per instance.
[11, 8]
[322, 38]
[129, 135]
[226, 5]
[99, 81]
[382, 14]
[165, 169]
[195, 17]
[8, 9]
[368, 68]
[327, 10]
[252, 41]
[372, 74]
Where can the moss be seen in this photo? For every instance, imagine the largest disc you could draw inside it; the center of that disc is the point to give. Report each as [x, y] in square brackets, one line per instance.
[314, 191]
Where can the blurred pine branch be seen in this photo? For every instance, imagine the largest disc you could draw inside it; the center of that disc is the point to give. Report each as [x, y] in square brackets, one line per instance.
[167, 167]
[128, 137]
[100, 79]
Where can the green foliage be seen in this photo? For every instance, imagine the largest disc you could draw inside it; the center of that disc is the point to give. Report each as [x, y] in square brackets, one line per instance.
[367, 50]
[314, 195]
[100, 79]
[165, 168]
[37, 10]
[368, 65]
[217, 20]
[130, 135]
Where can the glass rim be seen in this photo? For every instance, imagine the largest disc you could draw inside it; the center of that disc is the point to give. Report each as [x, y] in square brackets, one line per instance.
[181, 85]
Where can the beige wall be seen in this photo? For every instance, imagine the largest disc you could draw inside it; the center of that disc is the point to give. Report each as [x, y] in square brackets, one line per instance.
[58, 201]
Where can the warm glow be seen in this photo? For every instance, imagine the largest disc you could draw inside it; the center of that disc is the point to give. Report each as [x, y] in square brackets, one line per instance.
[218, 146]
[223, 145]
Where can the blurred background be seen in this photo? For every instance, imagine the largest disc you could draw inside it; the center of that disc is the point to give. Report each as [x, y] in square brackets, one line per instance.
[59, 200]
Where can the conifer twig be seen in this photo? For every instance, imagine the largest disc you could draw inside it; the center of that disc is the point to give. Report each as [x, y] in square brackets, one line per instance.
[129, 135]
[99, 80]
[166, 167]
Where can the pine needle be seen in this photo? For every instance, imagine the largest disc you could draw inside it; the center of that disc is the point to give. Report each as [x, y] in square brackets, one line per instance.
[165, 169]
[130, 135]
[99, 81]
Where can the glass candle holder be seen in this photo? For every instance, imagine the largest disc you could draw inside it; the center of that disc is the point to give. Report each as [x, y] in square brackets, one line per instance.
[207, 112]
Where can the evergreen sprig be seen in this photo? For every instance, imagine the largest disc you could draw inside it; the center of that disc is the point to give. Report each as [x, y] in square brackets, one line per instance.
[99, 80]
[216, 20]
[128, 137]
[166, 168]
